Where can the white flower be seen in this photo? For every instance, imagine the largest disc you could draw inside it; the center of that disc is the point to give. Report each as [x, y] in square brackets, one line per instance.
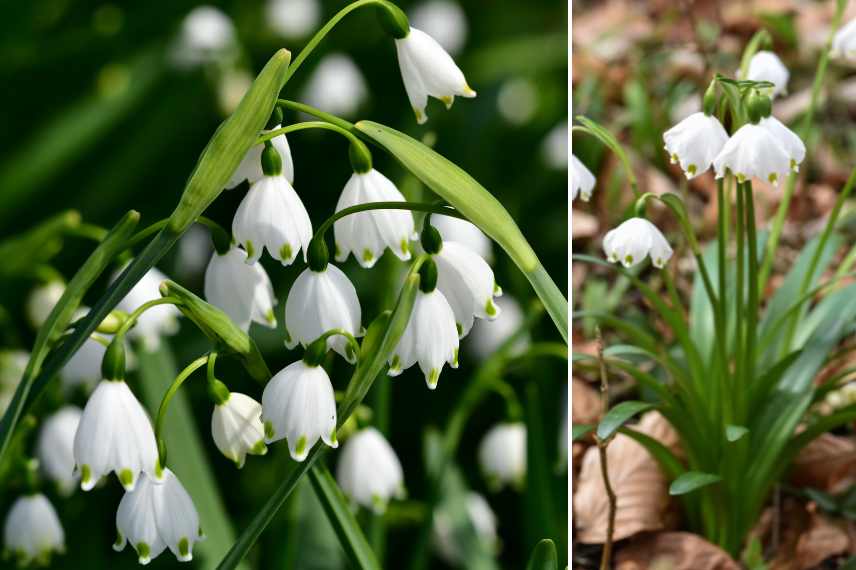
[517, 100]
[298, 404]
[84, 366]
[55, 447]
[753, 151]
[336, 86]
[555, 147]
[467, 283]
[793, 145]
[502, 454]
[237, 429]
[207, 35]
[487, 336]
[250, 168]
[367, 234]
[430, 338]
[320, 301]
[427, 69]
[369, 471]
[635, 238]
[156, 321]
[272, 216]
[244, 292]
[465, 233]
[695, 142]
[114, 434]
[446, 536]
[844, 42]
[41, 302]
[766, 66]
[582, 180]
[158, 515]
[32, 531]
[194, 248]
[13, 364]
[444, 21]
[293, 18]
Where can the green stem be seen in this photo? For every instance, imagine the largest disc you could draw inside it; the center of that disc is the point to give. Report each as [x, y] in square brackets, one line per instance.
[738, 304]
[176, 384]
[412, 206]
[752, 311]
[318, 113]
[89, 231]
[311, 125]
[617, 149]
[217, 232]
[132, 318]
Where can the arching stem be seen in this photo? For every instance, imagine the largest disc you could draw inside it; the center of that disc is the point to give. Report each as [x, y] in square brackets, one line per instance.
[176, 384]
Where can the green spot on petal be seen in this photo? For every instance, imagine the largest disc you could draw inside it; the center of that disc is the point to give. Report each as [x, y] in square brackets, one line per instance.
[85, 474]
[629, 259]
[460, 329]
[455, 358]
[126, 477]
[184, 546]
[337, 251]
[433, 377]
[285, 252]
[405, 246]
[396, 363]
[334, 439]
[269, 431]
[143, 550]
[368, 256]
[250, 248]
[741, 178]
[120, 541]
[692, 169]
[300, 448]
[270, 317]
[490, 308]
[259, 448]
[773, 178]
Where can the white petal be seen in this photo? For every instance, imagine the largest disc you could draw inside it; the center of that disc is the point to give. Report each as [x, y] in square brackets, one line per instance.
[695, 142]
[55, 446]
[766, 66]
[464, 232]
[582, 180]
[467, 282]
[502, 453]
[369, 470]
[635, 239]
[244, 292]
[237, 429]
[32, 529]
[753, 152]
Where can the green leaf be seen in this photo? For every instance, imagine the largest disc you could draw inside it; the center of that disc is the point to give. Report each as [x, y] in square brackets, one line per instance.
[339, 513]
[664, 457]
[20, 254]
[579, 431]
[692, 480]
[540, 502]
[462, 191]
[733, 433]
[543, 556]
[618, 416]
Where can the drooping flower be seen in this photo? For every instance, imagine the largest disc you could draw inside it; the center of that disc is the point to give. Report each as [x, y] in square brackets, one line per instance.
[467, 282]
[444, 21]
[793, 145]
[250, 168]
[502, 454]
[32, 531]
[695, 142]
[369, 471]
[293, 19]
[13, 363]
[157, 515]
[298, 404]
[367, 234]
[753, 152]
[156, 321]
[41, 301]
[634, 239]
[766, 66]
[55, 447]
[244, 292]
[427, 69]
[487, 336]
[237, 428]
[844, 42]
[207, 35]
[446, 535]
[554, 148]
[465, 233]
[336, 86]
[582, 180]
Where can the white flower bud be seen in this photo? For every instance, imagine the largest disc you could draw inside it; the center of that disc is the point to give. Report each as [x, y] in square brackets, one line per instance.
[369, 471]
[244, 292]
[55, 447]
[635, 239]
[766, 66]
[502, 454]
[32, 531]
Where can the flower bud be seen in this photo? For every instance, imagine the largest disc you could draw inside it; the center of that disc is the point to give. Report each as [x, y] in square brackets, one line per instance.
[428, 276]
[432, 241]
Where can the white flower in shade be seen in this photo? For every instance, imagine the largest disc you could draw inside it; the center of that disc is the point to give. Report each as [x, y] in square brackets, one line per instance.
[293, 18]
[13, 364]
[250, 168]
[298, 404]
[244, 292]
[554, 149]
[272, 216]
[793, 144]
[582, 180]
[444, 21]
[446, 536]
[41, 302]
[336, 86]
[157, 515]
[320, 301]
[695, 142]
[237, 429]
[427, 69]
[32, 531]
[430, 338]
[55, 447]
[156, 321]
[502, 454]
[369, 471]
[753, 152]
[207, 35]
[635, 238]
[517, 100]
[844, 42]
[84, 367]
[367, 234]
[465, 233]
[467, 283]
[194, 248]
[766, 66]
[114, 434]
[487, 336]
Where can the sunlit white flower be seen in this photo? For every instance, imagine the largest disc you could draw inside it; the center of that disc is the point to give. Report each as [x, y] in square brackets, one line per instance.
[320, 301]
[156, 321]
[114, 434]
[766, 66]
[582, 180]
[157, 515]
[207, 35]
[84, 366]
[753, 152]
[250, 168]
[336, 86]
[298, 404]
[367, 234]
[487, 336]
[446, 536]
[430, 338]
[272, 216]
[444, 21]
[13, 363]
[634, 239]
[244, 292]
[369, 471]
[427, 69]
[695, 142]
[793, 144]
[844, 42]
[32, 531]
[467, 283]
[55, 447]
[237, 428]
[293, 18]
[554, 149]
[502, 454]
[41, 301]
[465, 233]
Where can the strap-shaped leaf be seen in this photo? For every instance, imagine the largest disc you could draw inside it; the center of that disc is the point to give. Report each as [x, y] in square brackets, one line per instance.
[579, 431]
[692, 480]
[734, 433]
[618, 416]
[543, 556]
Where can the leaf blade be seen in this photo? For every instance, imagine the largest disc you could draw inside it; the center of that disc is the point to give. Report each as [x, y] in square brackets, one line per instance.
[692, 480]
[618, 415]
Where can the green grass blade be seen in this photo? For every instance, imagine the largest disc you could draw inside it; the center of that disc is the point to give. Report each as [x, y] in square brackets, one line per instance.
[543, 556]
[540, 503]
[619, 415]
[691, 481]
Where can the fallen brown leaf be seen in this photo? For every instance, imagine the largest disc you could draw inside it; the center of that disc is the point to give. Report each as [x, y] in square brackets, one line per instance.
[585, 403]
[675, 551]
[822, 540]
[827, 463]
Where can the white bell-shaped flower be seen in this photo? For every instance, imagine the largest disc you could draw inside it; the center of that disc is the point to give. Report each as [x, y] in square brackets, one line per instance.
[427, 69]
[502, 454]
[114, 434]
[844, 42]
[766, 66]
[369, 471]
[487, 336]
[443, 20]
[41, 302]
[753, 152]
[237, 429]
[207, 35]
[250, 168]
[695, 142]
[32, 531]
[243, 291]
[298, 404]
[634, 239]
[582, 180]
[157, 515]
[447, 538]
[465, 233]
[293, 19]
[55, 447]
[320, 301]
[793, 144]
[156, 321]
[554, 147]
[336, 86]
[467, 283]
[13, 363]
[367, 234]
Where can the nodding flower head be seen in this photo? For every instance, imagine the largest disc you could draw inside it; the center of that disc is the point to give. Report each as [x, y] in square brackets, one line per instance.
[635, 239]
[369, 471]
[243, 291]
[695, 142]
[582, 180]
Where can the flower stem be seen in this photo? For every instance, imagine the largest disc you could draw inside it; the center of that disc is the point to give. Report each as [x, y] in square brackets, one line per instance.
[317, 113]
[412, 206]
[176, 384]
[752, 311]
[310, 125]
[132, 318]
